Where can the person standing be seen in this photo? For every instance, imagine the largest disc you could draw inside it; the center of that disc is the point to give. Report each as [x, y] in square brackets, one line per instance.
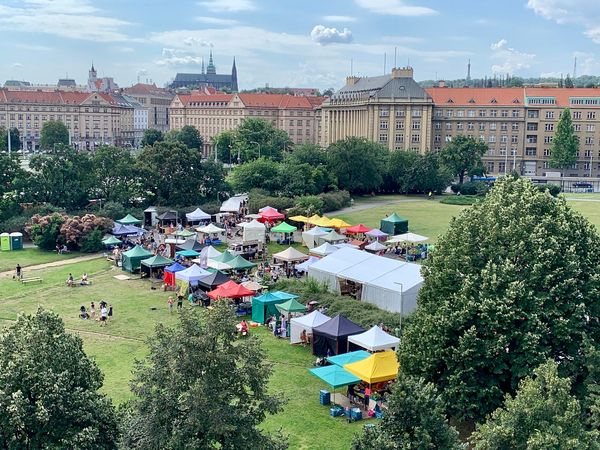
[103, 315]
[170, 303]
[179, 301]
[92, 310]
[110, 312]
[18, 271]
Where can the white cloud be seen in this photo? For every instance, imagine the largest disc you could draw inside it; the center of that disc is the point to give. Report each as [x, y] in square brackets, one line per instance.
[73, 19]
[323, 35]
[512, 60]
[16, 65]
[177, 58]
[394, 7]
[339, 19]
[585, 13]
[215, 21]
[228, 5]
[197, 42]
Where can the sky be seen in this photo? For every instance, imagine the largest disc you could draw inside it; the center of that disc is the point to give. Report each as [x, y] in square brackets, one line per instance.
[299, 43]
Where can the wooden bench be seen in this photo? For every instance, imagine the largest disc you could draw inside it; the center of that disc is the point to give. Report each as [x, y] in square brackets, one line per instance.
[31, 280]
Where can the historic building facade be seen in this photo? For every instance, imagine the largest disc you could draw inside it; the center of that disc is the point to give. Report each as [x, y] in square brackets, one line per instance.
[210, 78]
[156, 100]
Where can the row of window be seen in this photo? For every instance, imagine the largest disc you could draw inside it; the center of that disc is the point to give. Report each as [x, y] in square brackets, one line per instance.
[399, 138]
[480, 113]
[492, 126]
[415, 112]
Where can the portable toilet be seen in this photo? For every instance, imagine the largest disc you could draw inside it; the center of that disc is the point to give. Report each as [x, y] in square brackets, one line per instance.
[16, 240]
[4, 242]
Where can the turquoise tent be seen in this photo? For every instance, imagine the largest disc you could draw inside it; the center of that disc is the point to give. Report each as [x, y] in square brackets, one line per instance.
[264, 307]
[132, 259]
[348, 358]
[335, 376]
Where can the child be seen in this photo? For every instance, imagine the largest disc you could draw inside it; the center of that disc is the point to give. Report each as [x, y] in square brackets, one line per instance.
[170, 303]
[110, 312]
[92, 310]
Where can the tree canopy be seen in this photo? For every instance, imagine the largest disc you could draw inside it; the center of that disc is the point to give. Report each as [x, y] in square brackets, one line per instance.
[115, 178]
[151, 136]
[53, 133]
[200, 388]
[190, 137]
[462, 155]
[260, 138]
[565, 143]
[512, 283]
[49, 389]
[15, 139]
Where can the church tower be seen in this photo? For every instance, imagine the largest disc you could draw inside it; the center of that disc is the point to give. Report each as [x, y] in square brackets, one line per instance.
[211, 69]
[234, 84]
[92, 78]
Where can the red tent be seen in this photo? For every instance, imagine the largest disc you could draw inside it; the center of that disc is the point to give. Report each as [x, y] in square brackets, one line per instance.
[271, 215]
[230, 290]
[356, 229]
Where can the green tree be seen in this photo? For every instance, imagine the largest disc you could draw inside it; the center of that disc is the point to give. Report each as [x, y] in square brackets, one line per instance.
[201, 388]
[224, 143]
[115, 178]
[258, 174]
[190, 137]
[12, 176]
[358, 164]
[260, 138]
[15, 140]
[462, 155]
[53, 133]
[403, 170]
[513, 283]
[49, 389]
[151, 136]
[565, 144]
[308, 154]
[542, 415]
[569, 82]
[414, 420]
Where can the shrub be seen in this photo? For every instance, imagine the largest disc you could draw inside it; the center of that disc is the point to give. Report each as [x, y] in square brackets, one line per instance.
[259, 199]
[307, 206]
[332, 201]
[459, 199]
[553, 189]
[211, 207]
[471, 188]
[113, 210]
[15, 223]
[92, 242]
[45, 230]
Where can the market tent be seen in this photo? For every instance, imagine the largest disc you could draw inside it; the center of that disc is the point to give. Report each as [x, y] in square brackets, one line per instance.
[374, 340]
[335, 376]
[240, 263]
[378, 367]
[358, 229]
[188, 253]
[348, 358]
[230, 289]
[184, 233]
[306, 323]
[132, 259]
[191, 275]
[197, 215]
[394, 224]
[324, 249]
[303, 267]
[323, 222]
[210, 229]
[326, 270]
[190, 244]
[283, 227]
[252, 285]
[314, 218]
[263, 307]
[111, 240]
[170, 273]
[129, 220]
[308, 237]
[345, 245]
[331, 338]
[291, 306]
[266, 208]
[375, 247]
[406, 237]
[205, 254]
[213, 280]
[333, 237]
[271, 215]
[301, 219]
[154, 262]
[234, 204]
[377, 234]
[397, 290]
[169, 216]
[253, 231]
[338, 223]
[126, 230]
[284, 295]
[290, 254]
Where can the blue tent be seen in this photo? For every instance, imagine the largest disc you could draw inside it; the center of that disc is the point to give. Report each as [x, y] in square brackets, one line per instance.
[175, 267]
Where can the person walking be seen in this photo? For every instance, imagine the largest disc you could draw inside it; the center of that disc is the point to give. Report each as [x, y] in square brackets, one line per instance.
[170, 303]
[179, 301]
[110, 312]
[18, 272]
[103, 315]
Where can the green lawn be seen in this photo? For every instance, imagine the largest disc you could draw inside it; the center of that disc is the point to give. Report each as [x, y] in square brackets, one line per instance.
[30, 257]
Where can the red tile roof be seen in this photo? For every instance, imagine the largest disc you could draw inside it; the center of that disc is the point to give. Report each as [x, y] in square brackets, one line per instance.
[476, 96]
[51, 97]
[146, 89]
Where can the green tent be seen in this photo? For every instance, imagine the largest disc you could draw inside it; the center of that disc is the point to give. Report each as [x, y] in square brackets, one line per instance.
[394, 224]
[264, 306]
[240, 263]
[188, 253]
[129, 220]
[132, 258]
[111, 241]
[332, 236]
[224, 257]
[291, 306]
[184, 233]
[283, 228]
[156, 261]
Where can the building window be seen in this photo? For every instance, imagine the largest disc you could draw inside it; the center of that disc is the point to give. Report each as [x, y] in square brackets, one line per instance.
[588, 153]
[417, 112]
[492, 139]
[416, 125]
[482, 126]
[501, 167]
[546, 152]
[384, 112]
[438, 113]
[402, 113]
[448, 113]
[399, 138]
[383, 125]
[504, 113]
[490, 166]
[502, 151]
[514, 139]
[515, 126]
[531, 139]
[400, 125]
[547, 139]
[493, 113]
[589, 140]
[448, 126]
[504, 126]
[533, 114]
[530, 151]
[590, 128]
[504, 139]
[383, 137]
[437, 138]
[577, 127]
[471, 113]
[549, 127]
[459, 126]
[437, 126]
[415, 138]
[493, 126]
[532, 126]
[546, 165]
[515, 113]
[482, 113]
[591, 115]
[549, 114]
[470, 126]
[576, 114]
[460, 113]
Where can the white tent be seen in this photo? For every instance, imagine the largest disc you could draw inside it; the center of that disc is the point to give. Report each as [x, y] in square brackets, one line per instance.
[197, 215]
[290, 254]
[233, 204]
[388, 283]
[206, 253]
[210, 229]
[406, 237]
[267, 208]
[253, 231]
[307, 322]
[345, 245]
[308, 237]
[324, 249]
[374, 340]
[192, 274]
[375, 246]
[303, 267]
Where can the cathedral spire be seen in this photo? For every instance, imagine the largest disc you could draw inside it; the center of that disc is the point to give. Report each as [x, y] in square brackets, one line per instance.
[202, 66]
[211, 69]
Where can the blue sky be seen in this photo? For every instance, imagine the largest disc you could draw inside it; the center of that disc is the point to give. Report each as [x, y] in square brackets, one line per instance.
[303, 43]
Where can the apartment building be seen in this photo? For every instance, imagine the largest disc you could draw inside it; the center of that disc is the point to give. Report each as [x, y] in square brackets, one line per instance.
[92, 119]
[213, 113]
[390, 109]
[156, 100]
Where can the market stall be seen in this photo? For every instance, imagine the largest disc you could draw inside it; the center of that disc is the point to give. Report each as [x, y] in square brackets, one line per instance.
[191, 244]
[270, 215]
[190, 276]
[264, 306]
[167, 219]
[220, 262]
[240, 263]
[197, 215]
[290, 255]
[286, 231]
[358, 229]
[373, 340]
[331, 338]
[230, 289]
[309, 236]
[333, 237]
[170, 271]
[129, 220]
[206, 253]
[305, 323]
[348, 358]
[154, 263]
[303, 267]
[375, 247]
[394, 224]
[126, 230]
[131, 259]
[253, 231]
[213, 281]
[111, 241]
[291, 306]
[377, 368]
[376, 234]
[324, 249]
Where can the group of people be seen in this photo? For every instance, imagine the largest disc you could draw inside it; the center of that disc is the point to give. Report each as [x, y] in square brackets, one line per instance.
[84, 281]
[106, 312]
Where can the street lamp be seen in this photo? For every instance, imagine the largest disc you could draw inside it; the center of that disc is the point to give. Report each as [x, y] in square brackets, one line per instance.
[258, 145]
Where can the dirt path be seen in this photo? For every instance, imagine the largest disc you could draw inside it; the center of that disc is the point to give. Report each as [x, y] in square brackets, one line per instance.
[371, 204]
[63, 262]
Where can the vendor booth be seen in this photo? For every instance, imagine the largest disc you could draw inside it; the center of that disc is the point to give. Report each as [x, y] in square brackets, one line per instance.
[331, 338]
[333, 237]
[197, 215]
[151, 265]
[240, 263]
[230, 290]
[253, 231]
[191, 276]
[376, 234]
[291, 306]
[394, 224]
[290, 254]
[305, 323]
[191, 244]
[270, 215]
[303, 267]
[167, 219]
[286, 230]
[170, 271]
[207, 253]
[335, 376]
[126, 230]
[374, 340]
[412, 238]
[220, 262]
[348, 358]
[211, 228]
[377, 368]
[150, 216]
[308, 237]
[338, 223]
[129, 220]
[213, 281]
[375, 247]
[358, 229]
[132, 259]
[324, 249]
[264, 306]
[111, 241]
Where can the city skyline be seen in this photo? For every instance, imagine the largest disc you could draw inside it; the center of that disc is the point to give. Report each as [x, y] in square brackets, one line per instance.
[289, 44]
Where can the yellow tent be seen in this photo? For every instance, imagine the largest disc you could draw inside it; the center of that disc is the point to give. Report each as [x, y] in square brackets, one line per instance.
[339, 223]
[323, 222]
[378, 367]
[299, 219]
[314, 219]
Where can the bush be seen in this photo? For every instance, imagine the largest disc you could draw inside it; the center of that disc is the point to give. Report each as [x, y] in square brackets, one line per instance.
[471, 188]
[113, 210]
[459, 199]
[307, 206]
[45, 230]
[553, 189]
[332, 201]
[211, 207]
[92, 243]
[15, 223]
[257, 198]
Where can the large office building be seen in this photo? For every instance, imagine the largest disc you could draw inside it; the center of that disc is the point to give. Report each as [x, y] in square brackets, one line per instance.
[213, 113]
[156, 100]
[517, 124]
[208, 78]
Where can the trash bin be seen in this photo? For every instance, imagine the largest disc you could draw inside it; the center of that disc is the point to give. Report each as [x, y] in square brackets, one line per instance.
[324, 397]
[16, 241]
[4, 242]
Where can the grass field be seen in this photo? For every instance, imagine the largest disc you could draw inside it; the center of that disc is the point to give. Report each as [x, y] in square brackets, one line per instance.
[30, 257]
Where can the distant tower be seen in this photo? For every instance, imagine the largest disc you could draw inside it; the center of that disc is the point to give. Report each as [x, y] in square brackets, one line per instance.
[211, 69]
[469, 73]
[575, 68]
[234, 85]
[203, 66]
[92, 78]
